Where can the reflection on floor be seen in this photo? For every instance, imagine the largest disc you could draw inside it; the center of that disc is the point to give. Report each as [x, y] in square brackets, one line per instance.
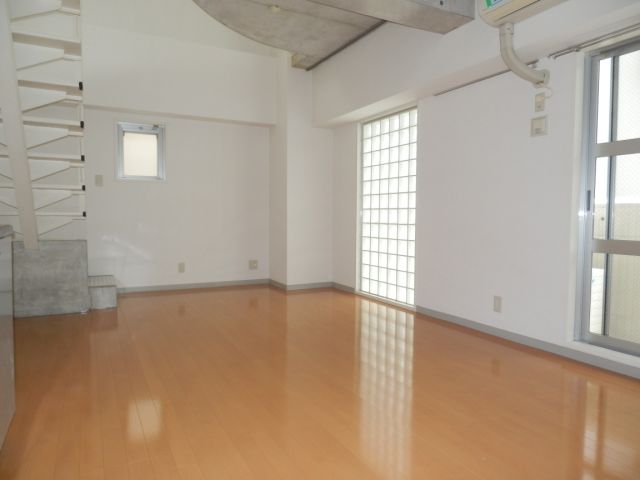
[254, 383]
[386, 378]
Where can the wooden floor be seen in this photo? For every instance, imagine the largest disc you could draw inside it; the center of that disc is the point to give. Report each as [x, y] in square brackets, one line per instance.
[253, 383]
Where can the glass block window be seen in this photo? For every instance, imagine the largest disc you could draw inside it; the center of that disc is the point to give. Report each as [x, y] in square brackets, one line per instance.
[388, 207]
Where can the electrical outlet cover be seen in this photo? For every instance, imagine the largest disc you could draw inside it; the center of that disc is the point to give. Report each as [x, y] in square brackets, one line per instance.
[539, 126]
[540, 100]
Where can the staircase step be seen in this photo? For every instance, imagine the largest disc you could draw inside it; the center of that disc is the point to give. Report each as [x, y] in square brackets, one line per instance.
[52, 122]
[103, 292]
[69, 45]
[50, 83]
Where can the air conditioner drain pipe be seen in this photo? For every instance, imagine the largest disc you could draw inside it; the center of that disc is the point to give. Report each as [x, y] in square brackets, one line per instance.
[539, 78]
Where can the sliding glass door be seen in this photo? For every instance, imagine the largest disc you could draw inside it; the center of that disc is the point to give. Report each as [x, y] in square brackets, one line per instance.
[611, 307]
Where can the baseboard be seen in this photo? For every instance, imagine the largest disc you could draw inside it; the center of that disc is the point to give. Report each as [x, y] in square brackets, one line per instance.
[344, 288]
[235, 283]
[300, 286]
[192, 286]
[566, 352]
[275, 283]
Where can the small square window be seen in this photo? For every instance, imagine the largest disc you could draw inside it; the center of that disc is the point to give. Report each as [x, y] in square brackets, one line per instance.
[140, 151]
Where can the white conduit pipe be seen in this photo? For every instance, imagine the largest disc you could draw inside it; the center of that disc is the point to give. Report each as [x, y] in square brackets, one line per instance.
[539, 78]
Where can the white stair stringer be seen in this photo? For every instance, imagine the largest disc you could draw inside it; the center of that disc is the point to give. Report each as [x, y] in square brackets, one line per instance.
[25, 8]
[44, 198]
[41, 198]
[39, 168]
[28, 55]
[31, 98]
[55, 24]
[37, 135]
[8, 196]
[44, 168]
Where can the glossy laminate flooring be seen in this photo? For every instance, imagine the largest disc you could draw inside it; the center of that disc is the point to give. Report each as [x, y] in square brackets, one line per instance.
[253, 383]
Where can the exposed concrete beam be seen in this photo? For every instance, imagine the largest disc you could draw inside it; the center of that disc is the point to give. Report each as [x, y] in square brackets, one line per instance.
[432, 15]
[314, 30]
[14, 132]
[311, 31]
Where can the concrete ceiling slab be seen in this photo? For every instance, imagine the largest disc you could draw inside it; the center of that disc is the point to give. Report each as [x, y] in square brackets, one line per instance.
[438, 16]
[313, 30]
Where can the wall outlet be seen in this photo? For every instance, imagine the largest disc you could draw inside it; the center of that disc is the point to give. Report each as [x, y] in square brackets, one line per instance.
[540, 101]
[539, 126]
[181, 267]
[98, 181]
[497, 304]
[253, 264]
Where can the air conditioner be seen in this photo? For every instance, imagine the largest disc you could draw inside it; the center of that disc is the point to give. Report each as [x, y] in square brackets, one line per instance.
[498, 12]
[503, 14]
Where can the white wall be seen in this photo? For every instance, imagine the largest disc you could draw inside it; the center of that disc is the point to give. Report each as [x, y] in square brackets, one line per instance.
[309, 188]
[345, 204]
[177, 19]
[174, 59]
[300, 183]
[278, 178]
[174, 64]
[497, 208]
[212, 211]
[394, 65]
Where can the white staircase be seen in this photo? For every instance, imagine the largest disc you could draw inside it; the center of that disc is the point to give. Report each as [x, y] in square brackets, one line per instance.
[48, 67]
[42, 181]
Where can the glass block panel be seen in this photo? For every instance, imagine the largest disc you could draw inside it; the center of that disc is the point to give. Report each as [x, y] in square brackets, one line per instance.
[388, 202]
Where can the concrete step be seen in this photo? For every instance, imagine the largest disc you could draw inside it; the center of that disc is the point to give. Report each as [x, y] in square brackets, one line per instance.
[51, 280]
[103, 292]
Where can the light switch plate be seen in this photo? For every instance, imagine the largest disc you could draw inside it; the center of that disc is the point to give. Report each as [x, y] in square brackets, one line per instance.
[540, 100]
[539, 126]
[98, 181]
[497, 304]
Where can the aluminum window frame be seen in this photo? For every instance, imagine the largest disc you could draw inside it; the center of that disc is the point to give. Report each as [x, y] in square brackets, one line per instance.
[148, 129]
[594, 150]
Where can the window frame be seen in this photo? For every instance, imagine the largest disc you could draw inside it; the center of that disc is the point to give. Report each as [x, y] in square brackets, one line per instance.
[587, 202]
[146, 128]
